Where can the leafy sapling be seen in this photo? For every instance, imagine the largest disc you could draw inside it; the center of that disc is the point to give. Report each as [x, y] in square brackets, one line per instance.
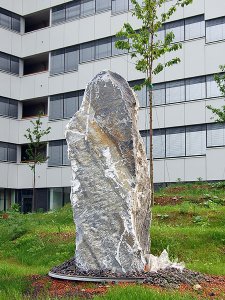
[145, 46]
[35, 151]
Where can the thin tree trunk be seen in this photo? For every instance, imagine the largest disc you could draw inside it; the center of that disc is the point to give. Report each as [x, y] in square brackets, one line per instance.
[34, 184]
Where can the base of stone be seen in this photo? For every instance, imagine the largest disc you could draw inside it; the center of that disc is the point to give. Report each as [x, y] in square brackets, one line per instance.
[168, 277]
[95, 279]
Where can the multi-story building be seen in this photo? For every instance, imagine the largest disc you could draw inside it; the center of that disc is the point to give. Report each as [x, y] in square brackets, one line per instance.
[50, 50]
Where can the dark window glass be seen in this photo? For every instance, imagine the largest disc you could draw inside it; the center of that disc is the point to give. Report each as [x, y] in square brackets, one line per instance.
[87, 52]
[159, 143]
[103, 48]
[211, 87]
[195, 140]
[4, 62]
[13, 108]
[87, 7]
[119, 5]
[66, 161]
[159, 94]
[116, 51]
[175, 142]
[57, 61]
[72, 10]
[160, 35]
[4, 106]
[177, 28]
[5, 18]
[215, 135]
[66, 195]
[58, 14]
[71, 58]
[12, 152]
[3, 151]
[146, 140]
[215, 29]
[194, 27]
[71, 104]
[15, 65]
[195, 88]
[16, 23]
[175, 91]
[103, 5]
[56, 107]
[81, 95]
[55, 153]
[142, 94]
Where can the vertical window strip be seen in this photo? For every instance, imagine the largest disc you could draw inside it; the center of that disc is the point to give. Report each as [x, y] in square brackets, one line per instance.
[8, 152]
[9, 20]
[58, 154]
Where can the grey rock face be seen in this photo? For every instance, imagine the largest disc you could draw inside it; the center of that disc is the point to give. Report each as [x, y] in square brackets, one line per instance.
[110, 182]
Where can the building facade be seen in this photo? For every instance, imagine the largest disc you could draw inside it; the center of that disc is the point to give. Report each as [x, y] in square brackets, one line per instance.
[50, 50]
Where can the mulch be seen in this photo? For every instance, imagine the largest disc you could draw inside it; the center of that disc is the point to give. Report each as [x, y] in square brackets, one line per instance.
[212, 287]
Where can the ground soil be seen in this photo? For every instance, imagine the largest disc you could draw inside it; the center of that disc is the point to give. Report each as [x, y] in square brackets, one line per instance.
[44, 286]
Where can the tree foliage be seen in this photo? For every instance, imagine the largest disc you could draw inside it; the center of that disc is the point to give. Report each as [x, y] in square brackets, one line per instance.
[145, 46]
[220, 80]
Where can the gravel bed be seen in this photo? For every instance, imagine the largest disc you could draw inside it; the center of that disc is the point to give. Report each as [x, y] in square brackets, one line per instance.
[169, 277]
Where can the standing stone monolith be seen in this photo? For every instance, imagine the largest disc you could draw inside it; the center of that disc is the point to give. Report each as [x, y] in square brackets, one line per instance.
[110, 193]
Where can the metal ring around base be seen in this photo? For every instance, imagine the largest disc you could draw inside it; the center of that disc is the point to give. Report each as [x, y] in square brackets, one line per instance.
[95, 279]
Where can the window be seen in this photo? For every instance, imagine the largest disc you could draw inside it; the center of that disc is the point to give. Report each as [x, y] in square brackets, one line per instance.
[194, 27]
[119, 5]
[65, 105]
[160, 35]
[215, 135]
[56, 107]
[66, 161]
[12, 153]
[142, 94]
[13, 108]
[177, 28]
[58, 153]
[103, 48]
[71, 104]
[211, 87]
[116, 51]
[175, 142]
[55, 153]
[4, 62]
[196, 140]
[159, 143]
[71, 58]
[9, 20]
[57, 61]
[3, 151]
[72, 10]
[103, 5]
[87, 51]
[15, 22]
[159, 94]
[195, 88]
[146, 140]
[8, 152]
[14, 65]
[58, 14]
[4, 106]
[215, 30]
[87, 7]
[5, 18]
[175, 91]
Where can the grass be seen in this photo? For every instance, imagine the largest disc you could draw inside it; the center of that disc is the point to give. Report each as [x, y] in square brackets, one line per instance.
[192, 231]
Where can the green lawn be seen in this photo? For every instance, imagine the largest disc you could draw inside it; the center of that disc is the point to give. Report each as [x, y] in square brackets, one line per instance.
[192, 231]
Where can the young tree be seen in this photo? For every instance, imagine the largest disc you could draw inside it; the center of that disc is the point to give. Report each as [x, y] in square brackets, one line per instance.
[220, 80]
[34, 152]
[146, 48]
